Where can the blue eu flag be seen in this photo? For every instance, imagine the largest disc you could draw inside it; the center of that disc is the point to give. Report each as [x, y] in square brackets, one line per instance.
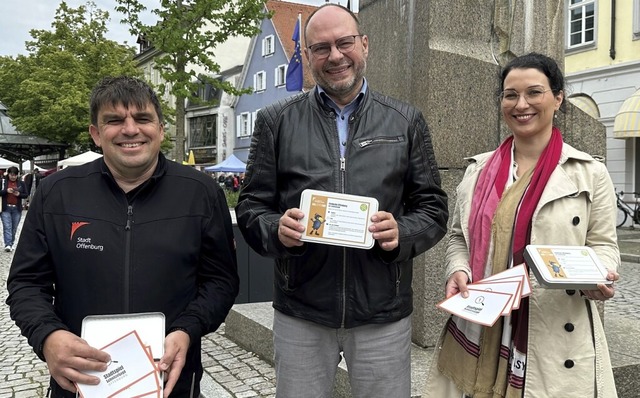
[294, 71]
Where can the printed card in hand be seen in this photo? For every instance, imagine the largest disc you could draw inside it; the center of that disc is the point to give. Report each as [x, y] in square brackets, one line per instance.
[566, 267]
[482, 307]
[130, 365]
[337, 219]
[502, 291]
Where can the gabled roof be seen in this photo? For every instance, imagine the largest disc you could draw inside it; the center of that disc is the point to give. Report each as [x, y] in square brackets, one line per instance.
[284, 19]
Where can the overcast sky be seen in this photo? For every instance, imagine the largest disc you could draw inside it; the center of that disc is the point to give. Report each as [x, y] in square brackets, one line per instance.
[18, 17]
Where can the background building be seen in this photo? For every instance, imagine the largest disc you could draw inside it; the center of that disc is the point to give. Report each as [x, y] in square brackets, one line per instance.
[208, 129]
[265, 68]
[602, 64]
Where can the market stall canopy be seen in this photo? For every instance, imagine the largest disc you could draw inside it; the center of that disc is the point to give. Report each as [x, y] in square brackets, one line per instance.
[18, 145]
[230, 165]
[6, 163]
[77, 160]
[627, 121]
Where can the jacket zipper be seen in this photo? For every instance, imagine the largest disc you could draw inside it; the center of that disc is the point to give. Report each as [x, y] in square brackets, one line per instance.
[343, 168]
[286, 272]
[127, 260]
[366, 143]
[398, 275]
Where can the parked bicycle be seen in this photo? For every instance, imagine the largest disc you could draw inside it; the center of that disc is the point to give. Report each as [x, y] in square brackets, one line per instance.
[625, 210]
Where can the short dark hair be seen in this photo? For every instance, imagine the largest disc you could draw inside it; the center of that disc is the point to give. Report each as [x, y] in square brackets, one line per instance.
[544, 64]
[13, 170]
[306, 23]
[123, 90]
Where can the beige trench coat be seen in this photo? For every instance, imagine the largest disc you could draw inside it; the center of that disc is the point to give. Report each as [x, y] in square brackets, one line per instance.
[567, 354]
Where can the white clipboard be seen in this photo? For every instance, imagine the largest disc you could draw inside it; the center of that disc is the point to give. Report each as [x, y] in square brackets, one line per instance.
[337, 219]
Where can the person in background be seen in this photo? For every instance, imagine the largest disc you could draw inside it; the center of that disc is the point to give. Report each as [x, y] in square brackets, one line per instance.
[342, 137]
[534, 189]
[228, 182]
[236, 183]
[13, 191]
[130, 232]
[31, 181]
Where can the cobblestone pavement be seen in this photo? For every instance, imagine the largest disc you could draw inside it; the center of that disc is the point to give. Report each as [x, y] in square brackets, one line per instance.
[236, 372]
[241, 373]
[625, 302]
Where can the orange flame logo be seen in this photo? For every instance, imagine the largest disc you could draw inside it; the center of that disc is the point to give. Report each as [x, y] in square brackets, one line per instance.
[74, 227]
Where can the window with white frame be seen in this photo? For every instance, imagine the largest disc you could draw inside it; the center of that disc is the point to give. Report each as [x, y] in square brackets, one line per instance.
[254, 117]
[636, 19]
[581, 23]
[281, 75]
[243, 124]
[268, 45]
[260, 81]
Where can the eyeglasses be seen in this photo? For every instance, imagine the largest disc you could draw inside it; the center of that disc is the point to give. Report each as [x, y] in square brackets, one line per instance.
[533, 96]
[344, 44]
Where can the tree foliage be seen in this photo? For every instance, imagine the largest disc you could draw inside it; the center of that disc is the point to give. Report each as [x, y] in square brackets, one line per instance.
[47, 91]
[187, 35]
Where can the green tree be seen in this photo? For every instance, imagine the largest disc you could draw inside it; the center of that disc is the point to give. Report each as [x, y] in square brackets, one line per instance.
[47, 91]
[186, 36]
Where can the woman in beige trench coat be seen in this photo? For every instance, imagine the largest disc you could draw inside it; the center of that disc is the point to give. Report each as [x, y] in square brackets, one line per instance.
[554, 346]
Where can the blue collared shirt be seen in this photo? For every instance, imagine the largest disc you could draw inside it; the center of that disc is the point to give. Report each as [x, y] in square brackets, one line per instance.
[342, 119]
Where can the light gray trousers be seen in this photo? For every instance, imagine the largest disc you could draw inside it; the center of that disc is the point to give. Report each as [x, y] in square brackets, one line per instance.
[378, 358]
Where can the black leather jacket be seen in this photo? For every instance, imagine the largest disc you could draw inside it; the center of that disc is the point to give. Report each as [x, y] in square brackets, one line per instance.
[389, 156]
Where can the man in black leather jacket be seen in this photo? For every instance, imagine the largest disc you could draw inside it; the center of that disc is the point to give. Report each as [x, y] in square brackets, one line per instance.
[131, 232]
[342, 137]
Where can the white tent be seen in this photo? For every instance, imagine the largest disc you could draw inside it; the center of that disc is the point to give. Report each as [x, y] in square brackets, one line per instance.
[6, 163]
[26, 166]
[77, 160]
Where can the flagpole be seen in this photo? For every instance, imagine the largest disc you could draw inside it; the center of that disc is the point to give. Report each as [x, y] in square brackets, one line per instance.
[300, 43]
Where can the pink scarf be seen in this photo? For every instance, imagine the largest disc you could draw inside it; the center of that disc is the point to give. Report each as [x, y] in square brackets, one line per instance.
[489, 188]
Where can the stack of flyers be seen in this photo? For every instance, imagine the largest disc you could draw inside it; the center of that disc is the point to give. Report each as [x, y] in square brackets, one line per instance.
[491, 297]
[131, 373]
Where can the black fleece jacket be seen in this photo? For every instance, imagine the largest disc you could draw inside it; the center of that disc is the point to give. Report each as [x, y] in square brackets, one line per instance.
[87, 248]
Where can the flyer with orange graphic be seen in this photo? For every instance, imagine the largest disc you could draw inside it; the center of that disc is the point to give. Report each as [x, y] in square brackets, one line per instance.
[490, 298]
[566, 267]
[337, 219]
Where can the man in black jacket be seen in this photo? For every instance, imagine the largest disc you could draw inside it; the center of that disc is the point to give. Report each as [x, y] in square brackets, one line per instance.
[128, 233]
[342, 137]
